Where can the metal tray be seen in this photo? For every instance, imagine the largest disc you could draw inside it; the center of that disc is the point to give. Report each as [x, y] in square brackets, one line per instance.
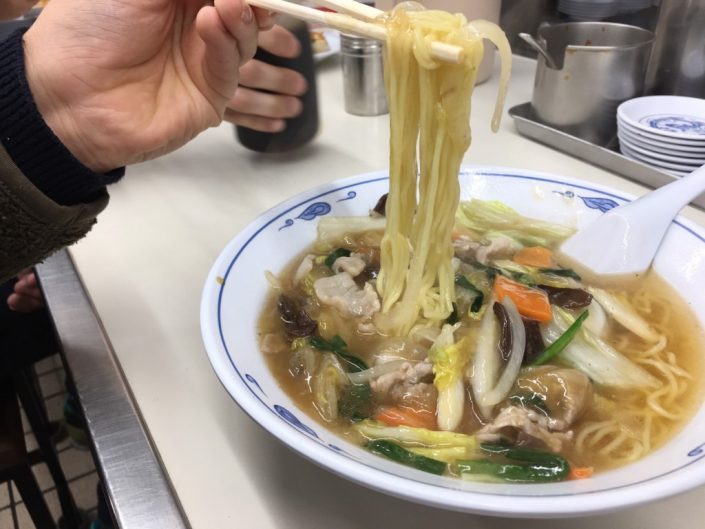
[607, 157]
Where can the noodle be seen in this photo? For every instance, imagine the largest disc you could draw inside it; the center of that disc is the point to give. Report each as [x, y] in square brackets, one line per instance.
[429, 102]
[657, 409]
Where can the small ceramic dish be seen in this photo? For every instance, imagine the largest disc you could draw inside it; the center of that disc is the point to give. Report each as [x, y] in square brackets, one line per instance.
[680, 160]
[661, 164]
[672, 149]
[675, 117]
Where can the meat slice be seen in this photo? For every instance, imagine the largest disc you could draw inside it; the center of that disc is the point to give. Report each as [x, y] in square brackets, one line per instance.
[409, 386]
[353, 265]
[495, 248]
[514, 423]
[341, 291]
[408, 373]
[566, 392]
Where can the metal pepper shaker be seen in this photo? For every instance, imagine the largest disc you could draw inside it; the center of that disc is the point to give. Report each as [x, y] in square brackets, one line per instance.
[363, 76]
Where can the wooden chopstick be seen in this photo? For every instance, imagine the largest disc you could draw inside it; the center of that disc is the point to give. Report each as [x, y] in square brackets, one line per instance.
[353, 8]
[347, 24]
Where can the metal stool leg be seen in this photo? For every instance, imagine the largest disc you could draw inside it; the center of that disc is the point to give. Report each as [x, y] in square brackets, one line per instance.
[36, 415]
[32, 496]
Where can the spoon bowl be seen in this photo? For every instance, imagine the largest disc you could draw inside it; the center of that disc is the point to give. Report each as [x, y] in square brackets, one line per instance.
[621, 244]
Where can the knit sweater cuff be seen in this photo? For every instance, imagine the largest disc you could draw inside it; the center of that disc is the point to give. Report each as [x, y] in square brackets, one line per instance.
[32, 145]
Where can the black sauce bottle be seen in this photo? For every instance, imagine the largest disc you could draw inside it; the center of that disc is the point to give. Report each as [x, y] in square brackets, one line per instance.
[300, 129]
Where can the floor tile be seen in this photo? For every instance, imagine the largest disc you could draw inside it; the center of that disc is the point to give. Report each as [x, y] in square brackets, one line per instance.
[84, 491]
[76, 463]
[51, 363]
[55, 407]
[4, 497]
[52, 384]
[6, 518]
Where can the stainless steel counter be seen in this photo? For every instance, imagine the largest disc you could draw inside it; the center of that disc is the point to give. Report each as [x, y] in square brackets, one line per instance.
[136, 485]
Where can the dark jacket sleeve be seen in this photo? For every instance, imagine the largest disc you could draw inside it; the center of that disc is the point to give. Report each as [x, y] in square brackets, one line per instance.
[48, 198]
[32, 226]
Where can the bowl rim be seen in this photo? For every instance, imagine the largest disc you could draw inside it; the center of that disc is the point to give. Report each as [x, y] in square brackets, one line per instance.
[489, 503]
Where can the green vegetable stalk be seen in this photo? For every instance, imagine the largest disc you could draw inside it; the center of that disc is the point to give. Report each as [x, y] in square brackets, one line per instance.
[561, 343]
[402, 455]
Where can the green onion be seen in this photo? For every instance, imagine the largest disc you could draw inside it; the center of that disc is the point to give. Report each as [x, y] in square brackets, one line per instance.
[511, 471]
[338, 252]
[401, 455]
[561, 343]
[521, 277]
[489, 270]
[338, 346]
[355, 402]
[537, 467]
[563, 272]
[465, 283]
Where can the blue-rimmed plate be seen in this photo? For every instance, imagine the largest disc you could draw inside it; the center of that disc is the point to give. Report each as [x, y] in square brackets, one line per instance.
[235, 291]
[674, 117]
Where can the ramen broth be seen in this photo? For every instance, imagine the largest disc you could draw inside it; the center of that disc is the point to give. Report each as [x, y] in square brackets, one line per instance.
[655, 301]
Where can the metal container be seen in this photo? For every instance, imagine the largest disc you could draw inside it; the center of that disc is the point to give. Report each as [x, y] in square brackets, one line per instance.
[599, 65]
[678, 61]
[363, 76]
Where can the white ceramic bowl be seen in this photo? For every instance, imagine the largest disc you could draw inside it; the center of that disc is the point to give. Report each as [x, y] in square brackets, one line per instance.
[236, 288]
[676, 117]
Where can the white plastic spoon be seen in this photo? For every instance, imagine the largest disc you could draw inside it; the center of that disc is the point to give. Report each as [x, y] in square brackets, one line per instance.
[623, 242]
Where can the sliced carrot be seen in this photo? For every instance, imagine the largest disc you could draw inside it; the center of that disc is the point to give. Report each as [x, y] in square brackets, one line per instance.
[531, 302]
[403, 416]
[537, 256]
[580, 472]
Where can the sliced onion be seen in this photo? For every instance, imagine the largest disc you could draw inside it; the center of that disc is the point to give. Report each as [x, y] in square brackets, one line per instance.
[485, 364]
[377, 371]
[511, 371]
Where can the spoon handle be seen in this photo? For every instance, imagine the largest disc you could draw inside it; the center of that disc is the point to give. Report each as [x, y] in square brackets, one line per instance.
[676, 195]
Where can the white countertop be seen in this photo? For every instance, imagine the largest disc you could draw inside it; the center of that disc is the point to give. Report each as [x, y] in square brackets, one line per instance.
[144, 266]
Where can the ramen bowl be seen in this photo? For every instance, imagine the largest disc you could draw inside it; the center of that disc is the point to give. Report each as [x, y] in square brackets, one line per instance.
[236, 289]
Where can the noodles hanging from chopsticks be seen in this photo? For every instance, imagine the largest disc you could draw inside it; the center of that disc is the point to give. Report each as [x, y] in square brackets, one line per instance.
[429, 104]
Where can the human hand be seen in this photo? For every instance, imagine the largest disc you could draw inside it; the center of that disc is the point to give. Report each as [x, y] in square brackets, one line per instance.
[266, 111]
[27, 297]
[121, 82]
[10, 9]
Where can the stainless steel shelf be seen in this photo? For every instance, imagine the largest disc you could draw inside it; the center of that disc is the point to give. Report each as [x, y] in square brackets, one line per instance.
[136, 485]
[606, 157]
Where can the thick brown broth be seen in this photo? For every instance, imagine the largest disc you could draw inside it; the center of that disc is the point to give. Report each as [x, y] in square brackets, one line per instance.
[652, 297]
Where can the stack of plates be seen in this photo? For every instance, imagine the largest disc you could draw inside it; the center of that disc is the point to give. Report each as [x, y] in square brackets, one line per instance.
[666, 132]
[600, 9]
[589, 9]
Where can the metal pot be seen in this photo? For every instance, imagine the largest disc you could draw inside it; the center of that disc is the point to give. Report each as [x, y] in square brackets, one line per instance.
[599, 65]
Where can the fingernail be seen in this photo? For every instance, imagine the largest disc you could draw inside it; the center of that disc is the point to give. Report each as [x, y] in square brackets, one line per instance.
[247, 15]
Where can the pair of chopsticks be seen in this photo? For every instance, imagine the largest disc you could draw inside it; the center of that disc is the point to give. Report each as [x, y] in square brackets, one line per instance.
[357, 20]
